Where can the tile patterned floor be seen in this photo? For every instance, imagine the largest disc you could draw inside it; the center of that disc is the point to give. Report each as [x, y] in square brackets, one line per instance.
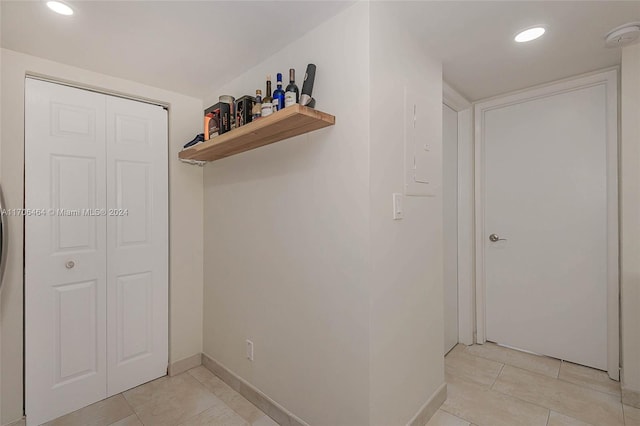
[194, 398]
[489, 385]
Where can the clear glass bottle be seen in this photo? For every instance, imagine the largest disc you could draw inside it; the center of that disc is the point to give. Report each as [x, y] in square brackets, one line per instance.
[257, 107]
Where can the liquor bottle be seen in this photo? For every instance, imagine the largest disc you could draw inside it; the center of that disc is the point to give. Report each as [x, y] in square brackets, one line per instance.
[267, 97]
[278, 94]
[267, 105]
[257, 107]
[291, 94]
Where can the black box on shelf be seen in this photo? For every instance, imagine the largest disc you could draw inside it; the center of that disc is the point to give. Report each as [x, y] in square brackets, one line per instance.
[225, 118]
[244, 106]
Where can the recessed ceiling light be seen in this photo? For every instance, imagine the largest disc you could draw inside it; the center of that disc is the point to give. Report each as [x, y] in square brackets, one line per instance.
[60, 8]
[529, 34]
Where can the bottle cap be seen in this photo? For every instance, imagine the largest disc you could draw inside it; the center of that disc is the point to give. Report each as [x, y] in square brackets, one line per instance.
[279, 76]
[258, 92]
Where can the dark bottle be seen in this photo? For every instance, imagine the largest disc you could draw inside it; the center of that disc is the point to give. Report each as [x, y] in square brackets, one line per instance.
[278, 94]
[267, 96]
[291, 94]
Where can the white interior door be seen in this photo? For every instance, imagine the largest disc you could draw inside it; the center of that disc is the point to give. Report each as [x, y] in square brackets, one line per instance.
[96, 247]
[137, 243]
[65, 256]
[548, 179]
[450, 204]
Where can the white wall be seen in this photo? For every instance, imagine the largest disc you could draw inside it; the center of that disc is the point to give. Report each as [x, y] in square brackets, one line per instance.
[630, 222]
[407, 323]
[0, 276]
[466, 219]
[343, 304]
[185, 213]
[450, 224]
[286, 239]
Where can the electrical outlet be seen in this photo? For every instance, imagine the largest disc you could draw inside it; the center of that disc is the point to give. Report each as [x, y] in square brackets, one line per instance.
[249, 350]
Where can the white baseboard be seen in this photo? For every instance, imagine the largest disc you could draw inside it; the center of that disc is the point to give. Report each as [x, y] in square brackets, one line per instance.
[185, 364]
[271, 408]
[430, 407]
[630, 397]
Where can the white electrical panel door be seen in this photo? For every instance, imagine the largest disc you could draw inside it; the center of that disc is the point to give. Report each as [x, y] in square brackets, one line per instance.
[137, 243]
[423, 145]
[96, 247]
[65, 255]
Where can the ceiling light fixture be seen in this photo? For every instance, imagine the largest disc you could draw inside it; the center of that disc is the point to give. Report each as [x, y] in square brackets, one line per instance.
[59, 7]
[529, 34]
[623, 35]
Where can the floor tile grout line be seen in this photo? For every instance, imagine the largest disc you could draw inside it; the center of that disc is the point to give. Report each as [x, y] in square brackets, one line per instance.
[530, 402]
[587, 388]
[497, 377]
[480, 357]
[456, 415]
[233, 390]
[542, 406]
[560, 369]
[198, 382]
[128, 403]
[562, 412]
[555, 376]
[590, 388]
[505, 394]
[516, 398]
[545, 375]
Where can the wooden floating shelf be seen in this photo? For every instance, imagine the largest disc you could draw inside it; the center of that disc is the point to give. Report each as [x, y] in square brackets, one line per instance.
[286, 123]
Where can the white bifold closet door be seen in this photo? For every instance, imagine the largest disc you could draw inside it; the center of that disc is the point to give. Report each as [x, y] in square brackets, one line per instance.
[96, 247]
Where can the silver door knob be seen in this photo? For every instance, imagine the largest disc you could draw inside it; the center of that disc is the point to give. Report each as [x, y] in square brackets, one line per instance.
[70, 264]
[494, 237]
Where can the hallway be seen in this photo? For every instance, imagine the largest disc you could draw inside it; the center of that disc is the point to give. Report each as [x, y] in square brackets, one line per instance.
[194, 398]
[489, 385]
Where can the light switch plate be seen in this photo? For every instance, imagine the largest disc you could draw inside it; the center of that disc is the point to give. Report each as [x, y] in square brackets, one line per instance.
[398, 208]
[249, 350]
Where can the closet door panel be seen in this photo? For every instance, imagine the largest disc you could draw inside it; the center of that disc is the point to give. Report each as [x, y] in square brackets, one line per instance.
[65, 250]
[137, 242]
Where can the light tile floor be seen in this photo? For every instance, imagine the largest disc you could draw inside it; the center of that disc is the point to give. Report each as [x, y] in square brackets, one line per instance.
[489, 385]
[194, 398]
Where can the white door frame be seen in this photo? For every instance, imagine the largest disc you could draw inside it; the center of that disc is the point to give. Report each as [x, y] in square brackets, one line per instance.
[609, 79]
[466, 273]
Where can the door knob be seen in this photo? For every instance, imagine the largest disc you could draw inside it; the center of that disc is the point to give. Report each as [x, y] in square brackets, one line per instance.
[494, 237]
[70, 264]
